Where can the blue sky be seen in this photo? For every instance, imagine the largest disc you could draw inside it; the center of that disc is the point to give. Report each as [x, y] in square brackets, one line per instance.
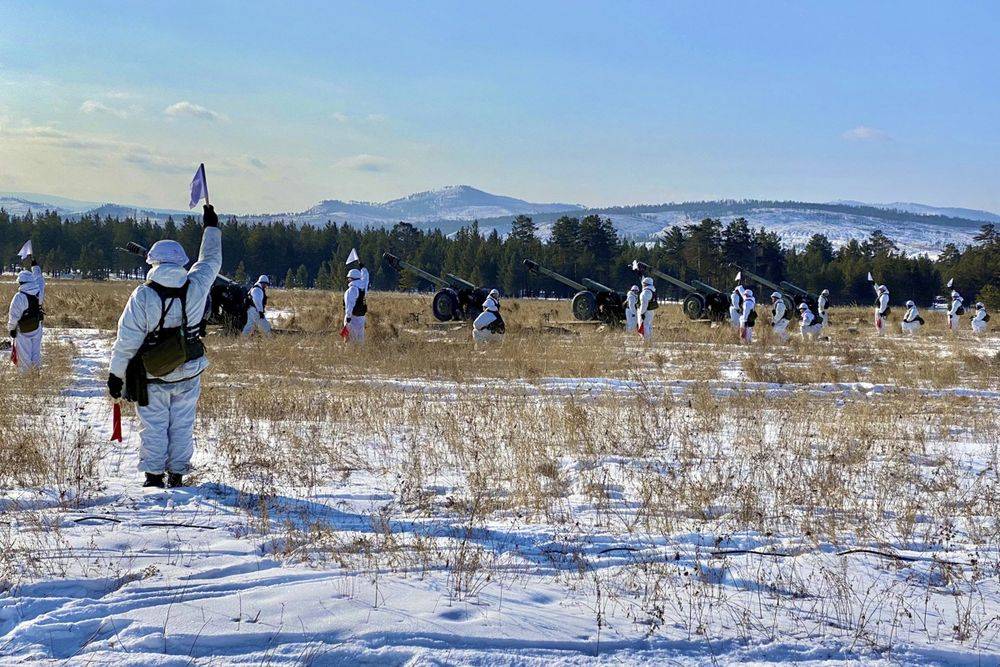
[589, 102]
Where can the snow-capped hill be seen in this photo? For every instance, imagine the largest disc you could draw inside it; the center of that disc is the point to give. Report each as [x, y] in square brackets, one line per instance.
[463, 202]
[952, 212]
[19, 206]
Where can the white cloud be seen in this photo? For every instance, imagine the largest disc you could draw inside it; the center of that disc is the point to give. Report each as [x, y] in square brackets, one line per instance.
[865, 133]
[365, 162]
[93, 106]
[341, 117]
[191, 110]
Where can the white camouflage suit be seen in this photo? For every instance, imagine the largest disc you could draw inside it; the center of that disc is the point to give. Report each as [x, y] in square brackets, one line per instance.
[29, 345]
[979, 322]
[749, 305]
[167, 433]
[491, 311]
[910, 324]
[809, 327]
[256, 316]
[953, 316]
[644, 314]
[355, 323]
[735, 300]
[779, 322]
[631, 307]
[881, 308]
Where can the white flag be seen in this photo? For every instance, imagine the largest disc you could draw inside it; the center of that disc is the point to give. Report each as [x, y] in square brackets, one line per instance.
[950, 281]
[199, 186]
[739, 276]
[353, 257]
[870, 279]
[635, 265]
[26, 250]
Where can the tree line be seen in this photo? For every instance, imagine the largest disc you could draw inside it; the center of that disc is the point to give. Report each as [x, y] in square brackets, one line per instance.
[577, 247]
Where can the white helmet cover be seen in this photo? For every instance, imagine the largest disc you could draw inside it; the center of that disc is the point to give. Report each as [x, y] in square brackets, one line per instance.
[775, 295]
[167, 252]
[264, 280]
[647, 282]
[354, 274]
[25, 278]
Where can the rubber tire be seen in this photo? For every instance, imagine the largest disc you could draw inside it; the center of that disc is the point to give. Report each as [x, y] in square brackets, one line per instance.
[445, 306]
[585, 306]
[694, 306]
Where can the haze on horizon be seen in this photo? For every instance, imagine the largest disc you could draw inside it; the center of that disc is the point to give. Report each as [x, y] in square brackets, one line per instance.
[587, 102]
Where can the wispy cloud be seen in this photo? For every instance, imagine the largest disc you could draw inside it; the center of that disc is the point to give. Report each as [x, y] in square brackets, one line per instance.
[341, 117]
[365, 162]
[192, 110]
[866, 133]
[96, 107]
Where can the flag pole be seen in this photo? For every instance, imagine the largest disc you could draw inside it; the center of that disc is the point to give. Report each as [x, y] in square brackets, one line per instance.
[204, 178]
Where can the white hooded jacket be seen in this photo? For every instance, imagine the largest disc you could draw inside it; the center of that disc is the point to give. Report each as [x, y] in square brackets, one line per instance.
[353, 293]
[19, 303]
[142, 313]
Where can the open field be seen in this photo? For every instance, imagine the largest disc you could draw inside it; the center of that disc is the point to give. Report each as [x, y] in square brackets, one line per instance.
[566, 496]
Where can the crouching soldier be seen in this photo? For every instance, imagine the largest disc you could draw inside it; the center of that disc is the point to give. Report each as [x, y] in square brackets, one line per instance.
[911, 320]
[256, 304]
[779, 316]
[631, 308]
[24, 319]
[355, 306]
[158, 358]
[647, 304]
[489, 325]
[980, 319]
[809, 327]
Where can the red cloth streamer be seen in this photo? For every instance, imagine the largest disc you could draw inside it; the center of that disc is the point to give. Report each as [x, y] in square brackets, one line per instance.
[878, 322]
[642, 329]
[13, 352]
[116, 433]
[343, 333]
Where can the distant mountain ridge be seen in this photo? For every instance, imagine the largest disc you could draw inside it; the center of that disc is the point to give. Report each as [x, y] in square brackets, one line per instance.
[916, 228]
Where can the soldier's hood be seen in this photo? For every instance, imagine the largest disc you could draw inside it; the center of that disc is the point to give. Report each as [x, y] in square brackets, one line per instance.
[168, 275]
[29, 288]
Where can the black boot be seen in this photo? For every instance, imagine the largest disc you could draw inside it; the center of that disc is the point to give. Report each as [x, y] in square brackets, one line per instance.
[174, 480]
[154, 480]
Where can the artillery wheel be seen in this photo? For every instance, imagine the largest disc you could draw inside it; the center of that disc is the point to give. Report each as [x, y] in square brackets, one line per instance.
[694, 306]
[445, 306]
[585, 306]
[790, 306]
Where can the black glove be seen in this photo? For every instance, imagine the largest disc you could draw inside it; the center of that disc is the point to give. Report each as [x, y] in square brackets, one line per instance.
[361, 264]
[115, 385]
[13, 333]
[210, 219]
[347, 319]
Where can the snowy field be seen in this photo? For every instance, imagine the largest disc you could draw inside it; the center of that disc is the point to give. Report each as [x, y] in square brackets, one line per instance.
[645, 517]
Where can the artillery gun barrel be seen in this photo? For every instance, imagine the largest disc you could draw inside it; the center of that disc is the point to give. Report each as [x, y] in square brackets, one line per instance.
[642, 267]
[460, 282]
[535, 267]
[795, 288]
[705, 287]
[397, 263]
[597, 287]
[760, 279]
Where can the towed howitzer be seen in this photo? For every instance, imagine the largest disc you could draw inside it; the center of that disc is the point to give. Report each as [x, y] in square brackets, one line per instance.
[790, 303]
[456, 299]
[226, 305]
[592, 301]
[702, 300]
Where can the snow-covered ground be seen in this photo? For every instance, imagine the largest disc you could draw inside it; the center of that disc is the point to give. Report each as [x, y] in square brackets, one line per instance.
[214, 575]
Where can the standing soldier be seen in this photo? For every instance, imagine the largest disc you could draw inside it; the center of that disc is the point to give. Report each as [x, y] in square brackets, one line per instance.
[158, 357]
[911, 320]
[955, 311]
[647, 304]
[749, 316]
[489, 325]
[25, 316]
[881, 308]
[822, 303]
[631, 308]
[735, 306]
[355, 306]
[808, 327]
[256, 305]
[779, 316]
[980, 319]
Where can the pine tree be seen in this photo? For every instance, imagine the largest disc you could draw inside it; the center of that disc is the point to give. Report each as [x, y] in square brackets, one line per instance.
[523, 229]
[302, 276]
[240, 276]
[290, 280]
